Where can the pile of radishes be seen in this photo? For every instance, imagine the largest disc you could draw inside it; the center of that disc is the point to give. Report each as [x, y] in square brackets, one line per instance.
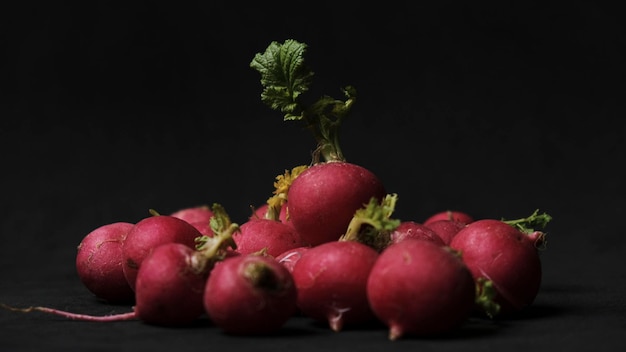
[325, 246]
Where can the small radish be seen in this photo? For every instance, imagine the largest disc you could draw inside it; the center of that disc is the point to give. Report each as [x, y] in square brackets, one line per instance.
[171, 280]
[415, 230]
[272, 236]
[324, 197]
[290, 257]
[505, 253]
[446, 229]
[417, 287]
[331, 280]
[99, 263]
[198, 216]
[149, 233]
[250, 295]
[456, 215]
[268, 233]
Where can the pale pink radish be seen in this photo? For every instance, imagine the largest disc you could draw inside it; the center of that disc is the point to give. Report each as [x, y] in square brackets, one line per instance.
[250, 295]
[99, 263]
[420, 288]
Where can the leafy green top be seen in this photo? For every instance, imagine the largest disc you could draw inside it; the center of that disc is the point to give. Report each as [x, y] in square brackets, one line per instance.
[285, 78]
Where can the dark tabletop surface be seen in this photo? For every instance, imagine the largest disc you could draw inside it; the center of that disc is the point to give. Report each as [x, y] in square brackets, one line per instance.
[110, 110]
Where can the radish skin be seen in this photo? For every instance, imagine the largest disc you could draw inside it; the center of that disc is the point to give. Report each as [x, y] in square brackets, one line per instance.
[419, 288]
[99, 263]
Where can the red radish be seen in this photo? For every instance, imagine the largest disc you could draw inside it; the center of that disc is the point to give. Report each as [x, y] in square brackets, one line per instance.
[324, 198]
[456, 215]
[331, 280]
[202, 213]
[170, 282]
[417, 287]
[446, 229]
[99, 263]
[290, 257]
[198, 216]
[172, 272]
[149, 233]
[250, 295]
[412, 229]
[505, 255]
[272, 236]
[261, 211]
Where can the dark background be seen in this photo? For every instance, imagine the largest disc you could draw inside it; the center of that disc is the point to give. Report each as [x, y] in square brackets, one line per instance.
[110, 109]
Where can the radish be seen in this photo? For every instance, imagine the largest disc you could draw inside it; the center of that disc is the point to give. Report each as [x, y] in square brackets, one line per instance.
[445, 228]
[170, 282]
[198, 216]
[272, 236]
[415, 230]
[149, 233]
[99, 263]
[417, 287]
[324, 197]
[290, 257]
[450, 215]
[505, 253]
[331, 279]
[250, 295]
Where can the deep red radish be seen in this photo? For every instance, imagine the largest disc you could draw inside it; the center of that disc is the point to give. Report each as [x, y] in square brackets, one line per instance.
[456, 215]
[415, 230]
[446, 229]
[331, 281]
[324, 198]
[272, 236]
[290, 257]
[99, 263]
[507, 257]
[149, 233]
[250, 295]
[420, 288]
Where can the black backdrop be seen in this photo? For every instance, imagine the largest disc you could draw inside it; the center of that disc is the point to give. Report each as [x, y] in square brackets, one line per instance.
[113, 108]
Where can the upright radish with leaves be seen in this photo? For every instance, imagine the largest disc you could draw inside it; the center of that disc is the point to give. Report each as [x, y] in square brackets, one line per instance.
[323, 198]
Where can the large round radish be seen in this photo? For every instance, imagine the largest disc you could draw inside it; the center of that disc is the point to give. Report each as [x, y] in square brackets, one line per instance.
[331, 280]
[417, 287]
[99, 263]
[249, 295]
[324, 198]
[149, 233]
[170, 286]
[272, 236]
[509, 258]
